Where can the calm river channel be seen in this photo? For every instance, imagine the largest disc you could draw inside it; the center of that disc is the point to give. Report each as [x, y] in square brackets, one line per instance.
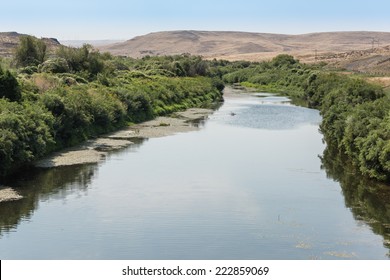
[253, 183]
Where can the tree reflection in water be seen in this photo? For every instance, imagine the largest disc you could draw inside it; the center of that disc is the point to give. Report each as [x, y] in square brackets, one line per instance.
[369, 201]
[39, 185]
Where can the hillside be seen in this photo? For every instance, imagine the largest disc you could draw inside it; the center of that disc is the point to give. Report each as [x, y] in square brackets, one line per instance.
[245, 45]
[374, 60]
[10, 40]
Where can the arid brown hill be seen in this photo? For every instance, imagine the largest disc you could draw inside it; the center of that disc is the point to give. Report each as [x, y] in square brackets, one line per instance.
[245, 45]
[357, 51]
[10, 40]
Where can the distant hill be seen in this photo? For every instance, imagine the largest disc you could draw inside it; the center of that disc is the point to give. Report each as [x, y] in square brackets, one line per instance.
[10, 40]
[248, 46]
[95, 43]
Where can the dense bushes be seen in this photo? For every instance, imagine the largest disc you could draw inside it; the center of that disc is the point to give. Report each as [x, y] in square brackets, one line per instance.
[80, 93]
[84, 60]
[162, 95]
[356, 119]
[26, 133]
[55, 65]
[80, 114]
[177, 65]
[9, 87]
[283, 74]
[88, 110]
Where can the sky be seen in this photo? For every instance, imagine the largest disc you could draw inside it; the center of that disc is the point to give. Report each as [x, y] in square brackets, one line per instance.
[121, 19]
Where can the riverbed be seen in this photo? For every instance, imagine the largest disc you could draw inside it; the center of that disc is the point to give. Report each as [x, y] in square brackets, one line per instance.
[249, 183]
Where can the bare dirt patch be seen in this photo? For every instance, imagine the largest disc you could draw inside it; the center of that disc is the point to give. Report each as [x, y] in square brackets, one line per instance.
[93, 151]
[383, 81]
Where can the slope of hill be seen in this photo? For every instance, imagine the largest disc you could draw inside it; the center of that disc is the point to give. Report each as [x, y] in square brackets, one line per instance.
[10, 40]
[374, 60]
[245, 45]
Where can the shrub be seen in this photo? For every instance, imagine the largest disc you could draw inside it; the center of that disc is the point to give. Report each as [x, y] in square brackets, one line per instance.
[26, 134]
[9, 86]
[54, 65]
[138, 105]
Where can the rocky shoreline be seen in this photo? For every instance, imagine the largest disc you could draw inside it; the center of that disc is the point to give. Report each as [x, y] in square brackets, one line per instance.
[93, 151]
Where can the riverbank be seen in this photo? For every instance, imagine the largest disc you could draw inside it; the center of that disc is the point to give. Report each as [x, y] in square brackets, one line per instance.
[94, 151]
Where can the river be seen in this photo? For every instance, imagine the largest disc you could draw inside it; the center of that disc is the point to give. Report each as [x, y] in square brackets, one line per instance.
[252, 183]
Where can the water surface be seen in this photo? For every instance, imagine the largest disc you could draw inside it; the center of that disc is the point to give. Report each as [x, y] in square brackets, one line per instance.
[251, 184]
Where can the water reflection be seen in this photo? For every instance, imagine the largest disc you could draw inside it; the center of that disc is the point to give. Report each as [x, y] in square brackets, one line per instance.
[267, 111]
[37, 185]
[368, 200]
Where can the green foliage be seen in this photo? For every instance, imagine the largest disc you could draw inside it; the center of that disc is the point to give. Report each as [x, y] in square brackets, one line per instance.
[81, 113]
[31, 51]
[283, 74]
[170, 66]
[84, 59]
[81, 93]
[354, 120]
[284, 60]
[25, 133]
[28, 70]
[146, 97]
[54, 65]
[9, 87]
[138, 104]
[218, 83]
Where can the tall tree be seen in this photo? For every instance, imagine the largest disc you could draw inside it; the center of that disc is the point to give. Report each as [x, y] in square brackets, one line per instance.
[30, 52]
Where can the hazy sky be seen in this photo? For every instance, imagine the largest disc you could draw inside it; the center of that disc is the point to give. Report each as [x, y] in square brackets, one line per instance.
[120, 19]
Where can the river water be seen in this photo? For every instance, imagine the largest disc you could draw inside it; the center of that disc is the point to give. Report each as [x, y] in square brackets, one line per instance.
[252, 183]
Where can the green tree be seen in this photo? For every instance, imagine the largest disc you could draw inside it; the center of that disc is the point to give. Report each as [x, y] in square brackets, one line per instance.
[9, 87]
[25, 134]
[83, 59]
[283, 60]
[31, 51]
